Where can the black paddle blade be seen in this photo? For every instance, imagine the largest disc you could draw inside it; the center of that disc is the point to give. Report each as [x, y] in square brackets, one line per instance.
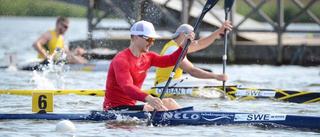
[228, 5]
[206, 8]
[209, 5]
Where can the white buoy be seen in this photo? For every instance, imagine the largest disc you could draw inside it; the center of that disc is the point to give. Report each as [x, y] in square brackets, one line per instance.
[65, 125]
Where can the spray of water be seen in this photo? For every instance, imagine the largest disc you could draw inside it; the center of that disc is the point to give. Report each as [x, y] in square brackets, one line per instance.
[52, 75]
[12, 68]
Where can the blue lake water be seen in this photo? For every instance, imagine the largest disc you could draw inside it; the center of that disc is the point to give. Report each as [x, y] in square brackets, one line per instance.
[18, 34]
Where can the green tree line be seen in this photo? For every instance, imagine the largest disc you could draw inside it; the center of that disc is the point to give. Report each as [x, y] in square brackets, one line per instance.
[270, 9]
[40, 8]
[54, 8]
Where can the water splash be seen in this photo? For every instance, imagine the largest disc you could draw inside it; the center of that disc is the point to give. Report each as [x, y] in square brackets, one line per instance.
[209, 92]
[41, 81]
[52, 75]
[12, 68]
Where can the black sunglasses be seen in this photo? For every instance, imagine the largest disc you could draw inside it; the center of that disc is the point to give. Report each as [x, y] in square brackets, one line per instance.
[65, 26]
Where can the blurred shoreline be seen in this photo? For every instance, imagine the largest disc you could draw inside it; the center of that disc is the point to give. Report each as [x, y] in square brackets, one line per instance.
[18, 34]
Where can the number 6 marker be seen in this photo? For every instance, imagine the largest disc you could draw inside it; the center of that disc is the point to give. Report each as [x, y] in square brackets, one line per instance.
[42, 102]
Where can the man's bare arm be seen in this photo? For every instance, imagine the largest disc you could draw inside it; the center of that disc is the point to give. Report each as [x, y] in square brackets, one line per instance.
[43, 39]
[188, 67]
[206, 41]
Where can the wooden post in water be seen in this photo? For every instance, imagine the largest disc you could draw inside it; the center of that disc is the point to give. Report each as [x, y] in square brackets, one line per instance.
[280, 21]
[185, 12]
[90, 23]
[232, 36]
[138, 9]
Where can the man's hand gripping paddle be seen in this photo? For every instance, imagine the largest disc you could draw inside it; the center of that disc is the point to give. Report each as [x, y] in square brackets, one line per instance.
[206, 8]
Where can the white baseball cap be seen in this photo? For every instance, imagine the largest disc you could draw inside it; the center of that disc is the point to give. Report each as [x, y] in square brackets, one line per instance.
[144, 28]
[184, 28]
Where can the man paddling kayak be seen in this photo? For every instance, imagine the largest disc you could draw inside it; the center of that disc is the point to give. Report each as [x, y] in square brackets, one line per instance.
[52, 41]
[129, 68]
[162, 74]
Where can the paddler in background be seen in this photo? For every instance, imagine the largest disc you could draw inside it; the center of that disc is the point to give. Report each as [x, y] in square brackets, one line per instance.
[129, 68]
[162, 74]
[51, 42]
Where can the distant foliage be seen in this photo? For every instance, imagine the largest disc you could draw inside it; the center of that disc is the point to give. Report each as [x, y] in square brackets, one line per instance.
[40, 8]
[270, 9]
[56, 8]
